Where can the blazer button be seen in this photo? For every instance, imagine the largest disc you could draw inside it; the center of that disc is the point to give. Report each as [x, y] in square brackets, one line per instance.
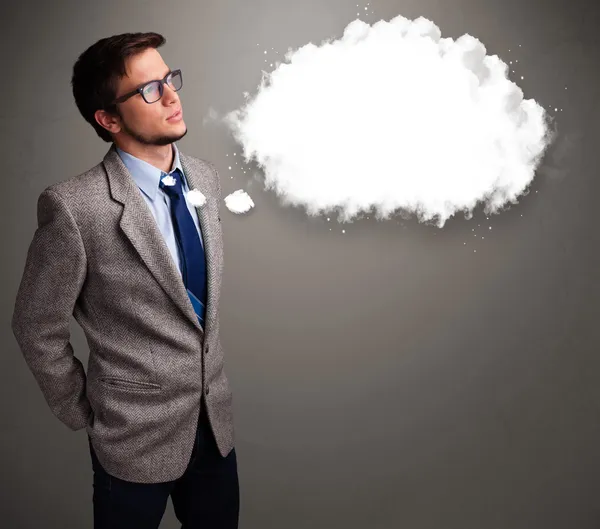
[206, 350]
[206, 391]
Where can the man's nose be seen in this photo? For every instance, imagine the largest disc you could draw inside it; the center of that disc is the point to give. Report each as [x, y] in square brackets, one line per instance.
[169, 93]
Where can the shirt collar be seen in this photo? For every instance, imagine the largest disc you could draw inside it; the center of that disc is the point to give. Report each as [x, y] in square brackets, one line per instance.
[146, 176]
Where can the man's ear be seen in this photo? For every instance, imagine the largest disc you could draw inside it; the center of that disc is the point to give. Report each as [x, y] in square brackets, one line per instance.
[110, 122]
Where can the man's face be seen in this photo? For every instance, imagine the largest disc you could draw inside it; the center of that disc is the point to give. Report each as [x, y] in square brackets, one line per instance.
[143, 122]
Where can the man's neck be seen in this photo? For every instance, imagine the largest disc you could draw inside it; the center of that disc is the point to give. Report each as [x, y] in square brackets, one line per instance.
[159, 156]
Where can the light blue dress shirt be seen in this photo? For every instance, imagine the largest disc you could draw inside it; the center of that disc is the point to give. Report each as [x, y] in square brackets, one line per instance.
[147, 177]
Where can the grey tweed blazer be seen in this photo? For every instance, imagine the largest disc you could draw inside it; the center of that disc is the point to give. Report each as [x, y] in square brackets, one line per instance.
[98, 255]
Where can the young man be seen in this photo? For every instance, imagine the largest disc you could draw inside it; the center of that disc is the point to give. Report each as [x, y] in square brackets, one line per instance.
[126, 249]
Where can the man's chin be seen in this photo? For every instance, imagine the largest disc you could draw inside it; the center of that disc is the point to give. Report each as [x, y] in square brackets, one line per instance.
[170, 138]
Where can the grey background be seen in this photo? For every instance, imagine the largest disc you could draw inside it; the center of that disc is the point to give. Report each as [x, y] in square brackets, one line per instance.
[384, 377]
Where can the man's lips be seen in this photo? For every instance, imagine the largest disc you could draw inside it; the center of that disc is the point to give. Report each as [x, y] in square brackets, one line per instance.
[174, 115]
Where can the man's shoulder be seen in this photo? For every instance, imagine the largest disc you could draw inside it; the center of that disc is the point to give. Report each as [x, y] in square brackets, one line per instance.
[81, 187]
[203, 163]
[205, 169]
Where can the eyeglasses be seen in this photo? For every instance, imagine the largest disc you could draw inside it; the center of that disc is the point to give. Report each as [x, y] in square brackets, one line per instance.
[152, 91]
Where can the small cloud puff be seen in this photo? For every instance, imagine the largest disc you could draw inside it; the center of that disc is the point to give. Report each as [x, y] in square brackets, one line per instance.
[168, 180]
[239, 202]
[196, 198]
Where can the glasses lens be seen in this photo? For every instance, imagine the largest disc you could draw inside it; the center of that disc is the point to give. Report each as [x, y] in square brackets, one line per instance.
[151, 92]
[175, 81]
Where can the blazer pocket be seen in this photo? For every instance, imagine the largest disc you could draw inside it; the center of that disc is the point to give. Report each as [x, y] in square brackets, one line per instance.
[129, 385]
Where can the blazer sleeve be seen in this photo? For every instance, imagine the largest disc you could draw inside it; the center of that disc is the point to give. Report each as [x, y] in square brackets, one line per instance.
[55, 270]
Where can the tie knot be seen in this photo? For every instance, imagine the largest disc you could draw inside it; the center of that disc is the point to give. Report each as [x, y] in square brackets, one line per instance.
[167, 185]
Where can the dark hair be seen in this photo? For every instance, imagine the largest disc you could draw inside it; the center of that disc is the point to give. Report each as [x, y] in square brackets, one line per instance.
[98, 69]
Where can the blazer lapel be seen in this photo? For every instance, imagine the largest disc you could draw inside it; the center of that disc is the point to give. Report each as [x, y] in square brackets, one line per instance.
[139, 225]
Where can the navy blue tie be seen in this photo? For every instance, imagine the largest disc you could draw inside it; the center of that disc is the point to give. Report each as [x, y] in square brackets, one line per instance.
[194, 260]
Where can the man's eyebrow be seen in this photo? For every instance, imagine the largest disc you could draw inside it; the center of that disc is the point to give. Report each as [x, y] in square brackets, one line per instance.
[145, 82]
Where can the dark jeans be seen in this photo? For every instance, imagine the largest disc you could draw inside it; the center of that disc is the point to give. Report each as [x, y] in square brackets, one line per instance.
[206, 496]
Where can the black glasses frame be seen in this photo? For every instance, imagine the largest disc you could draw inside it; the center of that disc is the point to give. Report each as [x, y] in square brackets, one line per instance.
[161, 82]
